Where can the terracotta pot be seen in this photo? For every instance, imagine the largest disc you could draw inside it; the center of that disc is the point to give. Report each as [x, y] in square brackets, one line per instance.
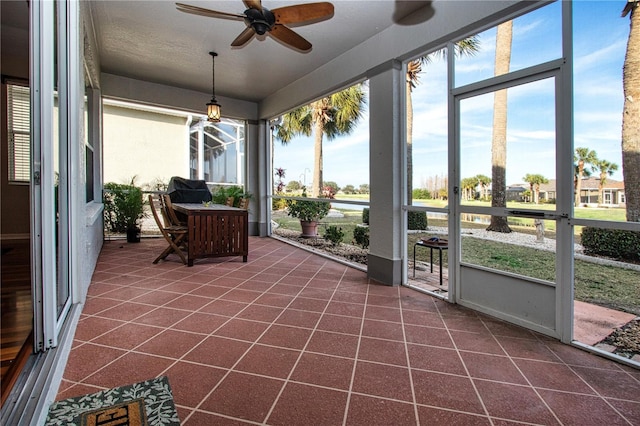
[309, 228]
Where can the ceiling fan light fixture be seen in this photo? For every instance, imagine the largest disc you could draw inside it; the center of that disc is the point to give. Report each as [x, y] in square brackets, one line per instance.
[260, 20]
[260, 27]
[213, 107]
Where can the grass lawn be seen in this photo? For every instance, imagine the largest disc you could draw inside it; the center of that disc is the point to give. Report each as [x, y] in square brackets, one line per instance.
[595, 213]
[607, 286]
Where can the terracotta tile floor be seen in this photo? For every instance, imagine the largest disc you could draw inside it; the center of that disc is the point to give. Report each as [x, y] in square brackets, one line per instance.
[291, 338]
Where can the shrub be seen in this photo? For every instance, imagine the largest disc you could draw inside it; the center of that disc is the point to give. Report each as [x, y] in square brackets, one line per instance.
[361, 236]
[330, 189]
[278, 204]
[365, 215]
[421, 194]
[614, 243]
[308, 211]
[417, 220]
[334, 234]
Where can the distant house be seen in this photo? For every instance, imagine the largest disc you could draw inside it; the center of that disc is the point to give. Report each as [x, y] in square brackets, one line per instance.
[613, 192]
[589, 189]
[515, 192]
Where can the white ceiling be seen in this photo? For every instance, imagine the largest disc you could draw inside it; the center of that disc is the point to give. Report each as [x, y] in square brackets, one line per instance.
[153, 41]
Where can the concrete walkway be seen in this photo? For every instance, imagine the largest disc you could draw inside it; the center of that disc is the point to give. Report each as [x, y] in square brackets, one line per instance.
[592, 323]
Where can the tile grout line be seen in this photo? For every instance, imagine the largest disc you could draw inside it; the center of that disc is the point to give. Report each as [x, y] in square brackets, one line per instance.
[598, 394]
[355, 362]
[406, 352]
[132, 350]
[197, 408]
[529, 384]
[575, 365]
[302, 351]
[466, 369]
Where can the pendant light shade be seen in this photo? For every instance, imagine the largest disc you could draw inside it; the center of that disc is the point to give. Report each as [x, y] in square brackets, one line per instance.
[213, 107]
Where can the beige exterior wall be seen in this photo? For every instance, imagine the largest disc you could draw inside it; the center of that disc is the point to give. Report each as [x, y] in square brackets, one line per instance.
[149, 145]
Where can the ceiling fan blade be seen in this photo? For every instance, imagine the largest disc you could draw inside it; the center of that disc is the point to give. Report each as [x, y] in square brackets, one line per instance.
[253, 4]
[303, 13]
[244, 37]
[290, 37]
[207, 12]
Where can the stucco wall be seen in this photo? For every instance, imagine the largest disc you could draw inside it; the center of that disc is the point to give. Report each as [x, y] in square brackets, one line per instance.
[145, 144]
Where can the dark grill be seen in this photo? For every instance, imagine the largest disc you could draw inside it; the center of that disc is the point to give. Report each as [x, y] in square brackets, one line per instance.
[182, 190]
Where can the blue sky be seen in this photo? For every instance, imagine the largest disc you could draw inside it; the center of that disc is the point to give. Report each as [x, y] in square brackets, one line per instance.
[600, 37]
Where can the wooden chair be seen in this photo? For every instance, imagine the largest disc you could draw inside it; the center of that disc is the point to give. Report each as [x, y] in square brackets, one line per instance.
[230, 201]
[174, 234]
[171, 213]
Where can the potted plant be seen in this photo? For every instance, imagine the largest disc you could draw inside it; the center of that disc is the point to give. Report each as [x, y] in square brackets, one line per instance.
[309, 212]
[123, 209]
[221, 194]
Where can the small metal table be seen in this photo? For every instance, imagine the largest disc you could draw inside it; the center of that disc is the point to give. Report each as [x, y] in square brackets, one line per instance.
[438, 244]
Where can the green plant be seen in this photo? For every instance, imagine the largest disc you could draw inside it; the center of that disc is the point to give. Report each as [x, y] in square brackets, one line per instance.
[278, 204]
[614, 243]
[334, 234]
[416, 220]
[308, 211]
[220, 195]
[421, 194]
[365, 215]
[361, 236]
[123, 206]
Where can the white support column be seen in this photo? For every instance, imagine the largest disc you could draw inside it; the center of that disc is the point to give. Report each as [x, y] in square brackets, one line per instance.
[76, 157]
[564, 173]
[200, 158]
[256, 177]
[386, 130]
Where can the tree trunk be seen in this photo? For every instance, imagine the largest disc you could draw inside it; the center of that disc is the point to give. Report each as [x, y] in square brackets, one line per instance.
[499, 140]
[409, 142]
[601, 190]
[631, 119]
[531, 189]
[578, 183]
[316, 190]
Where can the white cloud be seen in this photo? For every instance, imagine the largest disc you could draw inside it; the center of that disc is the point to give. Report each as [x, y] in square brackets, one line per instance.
[598, 57]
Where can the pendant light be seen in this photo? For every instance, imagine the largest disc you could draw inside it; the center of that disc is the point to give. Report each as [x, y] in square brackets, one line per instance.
[213, 107]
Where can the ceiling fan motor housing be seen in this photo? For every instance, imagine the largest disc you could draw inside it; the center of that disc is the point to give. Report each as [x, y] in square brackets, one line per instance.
[260, 20]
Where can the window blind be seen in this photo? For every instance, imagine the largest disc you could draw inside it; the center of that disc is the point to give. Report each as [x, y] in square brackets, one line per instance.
[18, 123]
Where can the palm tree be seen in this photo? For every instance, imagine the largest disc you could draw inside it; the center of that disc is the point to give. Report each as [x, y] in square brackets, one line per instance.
[412, 79]
[631, 114]
[468, 46]
[468, 185]
[484, 182]
[534, 182]
[582, 158]
[333, 115]
[499, 139]
[606, 168]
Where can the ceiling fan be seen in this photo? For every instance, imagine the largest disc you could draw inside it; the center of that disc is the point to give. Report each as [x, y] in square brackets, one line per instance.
[260, 20]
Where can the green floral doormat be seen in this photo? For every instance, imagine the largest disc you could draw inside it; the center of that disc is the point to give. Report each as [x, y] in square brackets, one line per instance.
[140, 404]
